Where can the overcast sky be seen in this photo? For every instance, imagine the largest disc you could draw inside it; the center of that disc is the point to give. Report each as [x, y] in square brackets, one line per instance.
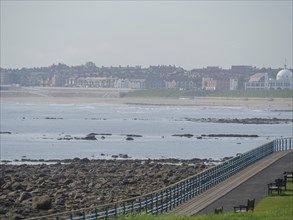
[190, 34]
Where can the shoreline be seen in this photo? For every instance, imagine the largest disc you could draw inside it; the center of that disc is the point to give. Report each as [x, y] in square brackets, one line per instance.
[284, 104]
[68, 95]
[84, 183]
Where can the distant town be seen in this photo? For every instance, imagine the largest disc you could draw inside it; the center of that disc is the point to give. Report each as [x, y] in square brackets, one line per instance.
[211, 78]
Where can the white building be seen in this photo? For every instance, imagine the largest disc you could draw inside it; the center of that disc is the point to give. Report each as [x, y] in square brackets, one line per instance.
[233, 84]
[284, 80]
[121, 83]
[261, 81]
[258, 81]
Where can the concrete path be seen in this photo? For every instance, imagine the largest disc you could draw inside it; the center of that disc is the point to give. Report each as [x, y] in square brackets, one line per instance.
[249, 183]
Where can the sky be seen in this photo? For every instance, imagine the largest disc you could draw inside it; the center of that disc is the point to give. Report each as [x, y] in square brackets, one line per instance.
[189, 34]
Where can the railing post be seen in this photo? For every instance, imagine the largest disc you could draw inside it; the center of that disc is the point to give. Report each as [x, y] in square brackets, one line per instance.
[106, 213]
[115, 212]
[96, 214]
[167, 200]
[83, 215]
[184, 191]
[152, 204]
[161, 202]
[181, 193]
[124, 208]
[189, 189]
[157, 200]
[146, 204]
[139, 210]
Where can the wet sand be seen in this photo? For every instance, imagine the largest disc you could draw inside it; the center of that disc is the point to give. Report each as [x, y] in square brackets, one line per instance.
[112, 96]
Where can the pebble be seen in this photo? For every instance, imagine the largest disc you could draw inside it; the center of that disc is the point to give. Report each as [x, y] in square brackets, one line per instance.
[83, 183]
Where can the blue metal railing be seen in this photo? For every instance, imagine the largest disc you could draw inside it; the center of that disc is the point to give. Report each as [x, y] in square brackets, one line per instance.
[168, 198]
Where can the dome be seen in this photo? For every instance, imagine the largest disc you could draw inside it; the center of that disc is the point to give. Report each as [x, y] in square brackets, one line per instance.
[284, 74]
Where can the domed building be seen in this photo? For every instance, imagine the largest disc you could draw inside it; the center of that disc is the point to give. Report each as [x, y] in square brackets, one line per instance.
[284, 74]
[284, 80]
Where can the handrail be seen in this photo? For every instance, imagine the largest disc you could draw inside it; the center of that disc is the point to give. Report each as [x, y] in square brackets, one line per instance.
[169, 197]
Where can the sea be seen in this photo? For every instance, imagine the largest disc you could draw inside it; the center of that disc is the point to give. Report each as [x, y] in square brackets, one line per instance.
[31, 131]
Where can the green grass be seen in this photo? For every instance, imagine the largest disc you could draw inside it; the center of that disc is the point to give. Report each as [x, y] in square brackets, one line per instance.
[255, 93]
[276, 207]
[176, 93]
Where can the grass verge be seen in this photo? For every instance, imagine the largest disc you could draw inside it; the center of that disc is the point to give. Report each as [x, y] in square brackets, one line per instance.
[176, 93]
[255, 93]
[276, 207]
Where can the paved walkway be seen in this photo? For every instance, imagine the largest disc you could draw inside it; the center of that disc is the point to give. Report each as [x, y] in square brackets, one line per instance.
[248, 183]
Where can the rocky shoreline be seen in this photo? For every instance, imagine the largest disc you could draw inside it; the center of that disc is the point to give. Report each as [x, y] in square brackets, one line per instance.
[242, 121]
[34, 190]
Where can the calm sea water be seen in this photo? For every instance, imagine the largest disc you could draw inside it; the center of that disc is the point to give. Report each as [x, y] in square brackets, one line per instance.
[36, 128]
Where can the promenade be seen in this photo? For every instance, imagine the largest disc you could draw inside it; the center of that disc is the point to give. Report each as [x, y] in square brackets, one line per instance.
[248, 184]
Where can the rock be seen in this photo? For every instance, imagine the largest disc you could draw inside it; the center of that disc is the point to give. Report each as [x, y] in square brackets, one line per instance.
[24, 196]
[15, 216]
[85, 160]
[129, 139]
[5, 132]
[67, 181]
[7, 186]
[134, 135]
[42, 202]
[183, 135]
[90, 137]
[123, 156]
[91, 185]
[16, 186]
[78, 184]
[2, 181]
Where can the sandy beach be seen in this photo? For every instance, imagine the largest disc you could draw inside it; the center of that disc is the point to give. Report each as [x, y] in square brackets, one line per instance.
[112, 96]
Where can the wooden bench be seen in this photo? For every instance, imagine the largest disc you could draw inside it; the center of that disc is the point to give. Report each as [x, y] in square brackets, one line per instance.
[219, 210]
[276, 186]
[283, 183]
[245, 208]
[288, 175]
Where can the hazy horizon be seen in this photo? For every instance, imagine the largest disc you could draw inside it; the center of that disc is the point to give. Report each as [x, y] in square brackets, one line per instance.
[80, 64]
[189, 34]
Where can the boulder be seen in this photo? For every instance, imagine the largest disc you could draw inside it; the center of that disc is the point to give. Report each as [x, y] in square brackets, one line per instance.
[85, 160]
[2, 181]
[42, 202]
[125, 156]
[14, 216]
